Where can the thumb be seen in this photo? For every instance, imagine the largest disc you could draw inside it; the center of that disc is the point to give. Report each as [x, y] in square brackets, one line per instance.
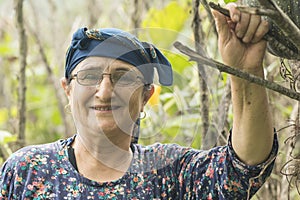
[222, 26]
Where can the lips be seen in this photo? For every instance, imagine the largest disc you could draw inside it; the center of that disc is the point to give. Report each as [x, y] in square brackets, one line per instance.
[105, 108]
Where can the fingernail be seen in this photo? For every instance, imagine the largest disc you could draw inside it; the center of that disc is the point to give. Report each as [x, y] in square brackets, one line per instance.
[246, 39]
[238, 34]
[236, 17]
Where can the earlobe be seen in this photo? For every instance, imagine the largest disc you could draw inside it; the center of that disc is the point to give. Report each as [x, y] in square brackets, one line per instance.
[148, 93]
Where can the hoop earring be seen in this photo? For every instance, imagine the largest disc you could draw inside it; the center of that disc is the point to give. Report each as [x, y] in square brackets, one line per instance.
[67, 109]
[143, 115]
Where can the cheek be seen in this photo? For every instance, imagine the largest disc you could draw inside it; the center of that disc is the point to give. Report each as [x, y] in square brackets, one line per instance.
[136, 103]
[80, 96]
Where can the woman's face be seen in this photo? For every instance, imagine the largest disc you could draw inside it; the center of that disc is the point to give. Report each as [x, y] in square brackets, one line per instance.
[107, 107]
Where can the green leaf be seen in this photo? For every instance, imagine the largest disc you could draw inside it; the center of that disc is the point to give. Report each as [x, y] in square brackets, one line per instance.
[3, 115]
[167, 22]
[228, 1]
[179, 62]
[6, 113]
[5, 45]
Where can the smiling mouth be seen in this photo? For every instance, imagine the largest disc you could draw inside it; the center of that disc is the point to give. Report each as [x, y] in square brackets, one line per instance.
[105, 108]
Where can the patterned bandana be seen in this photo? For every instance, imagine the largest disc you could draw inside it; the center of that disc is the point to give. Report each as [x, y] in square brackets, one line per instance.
[115, 43]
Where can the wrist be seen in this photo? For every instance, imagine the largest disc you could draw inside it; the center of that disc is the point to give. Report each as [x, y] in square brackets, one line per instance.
[258, 71]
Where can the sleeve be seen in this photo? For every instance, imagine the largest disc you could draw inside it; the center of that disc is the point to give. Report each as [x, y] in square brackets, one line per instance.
[14, 173]
[6, 180]
[219, 174]
[252, 177]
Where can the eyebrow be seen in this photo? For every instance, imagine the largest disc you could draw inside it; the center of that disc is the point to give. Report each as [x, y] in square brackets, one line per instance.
[102, 67]
[93, 66]
[122, 69]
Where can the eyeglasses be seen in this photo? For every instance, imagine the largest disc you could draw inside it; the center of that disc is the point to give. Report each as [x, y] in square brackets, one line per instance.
[92, 77]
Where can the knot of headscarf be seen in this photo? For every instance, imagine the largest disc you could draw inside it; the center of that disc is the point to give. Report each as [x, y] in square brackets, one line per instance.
[115, 43]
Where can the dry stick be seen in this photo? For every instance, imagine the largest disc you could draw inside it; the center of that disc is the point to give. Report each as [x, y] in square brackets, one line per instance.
[136, 15]
[204, 97]
[216, 129]
[22, 75]
[209, 15]
[283, 21]
[194, 56]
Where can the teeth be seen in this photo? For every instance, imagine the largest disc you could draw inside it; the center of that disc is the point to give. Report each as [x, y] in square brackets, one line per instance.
[103, 108]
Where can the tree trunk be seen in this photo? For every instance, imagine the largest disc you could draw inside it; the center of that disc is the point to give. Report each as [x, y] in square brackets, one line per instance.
[22, 74]
[204, 98]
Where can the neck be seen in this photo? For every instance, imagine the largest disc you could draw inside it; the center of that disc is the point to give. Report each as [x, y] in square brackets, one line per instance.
[103, 162]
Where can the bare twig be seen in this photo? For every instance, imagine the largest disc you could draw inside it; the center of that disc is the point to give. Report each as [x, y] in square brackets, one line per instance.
[283, 21]
[209, 15]
[204, 97]
[51, 77]
[136, 15]
[194, 56]
[257, 11]
[53, 80]
[22, 74]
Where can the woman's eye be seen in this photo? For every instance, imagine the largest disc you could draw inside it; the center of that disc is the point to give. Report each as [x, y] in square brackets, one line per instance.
[91, 77]
[118, 76]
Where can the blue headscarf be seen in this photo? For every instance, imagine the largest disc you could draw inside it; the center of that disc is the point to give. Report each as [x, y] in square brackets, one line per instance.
[115, 43]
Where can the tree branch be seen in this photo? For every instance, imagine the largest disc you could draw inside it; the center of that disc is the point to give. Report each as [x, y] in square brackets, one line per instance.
[194, 56]
[283, 21]
[22, 74]
[204, 97]
[62, 101]
[53, 80]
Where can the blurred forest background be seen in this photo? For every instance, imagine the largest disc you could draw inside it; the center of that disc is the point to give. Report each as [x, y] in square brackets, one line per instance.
[195, 111]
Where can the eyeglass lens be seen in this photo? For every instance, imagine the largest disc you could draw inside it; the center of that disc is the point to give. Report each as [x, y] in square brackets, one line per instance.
[94, 77]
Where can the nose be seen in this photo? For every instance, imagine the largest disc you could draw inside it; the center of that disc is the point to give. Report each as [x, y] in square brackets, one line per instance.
[104, 88]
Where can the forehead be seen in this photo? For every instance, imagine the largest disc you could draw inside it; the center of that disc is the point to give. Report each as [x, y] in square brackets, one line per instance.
[103, 63]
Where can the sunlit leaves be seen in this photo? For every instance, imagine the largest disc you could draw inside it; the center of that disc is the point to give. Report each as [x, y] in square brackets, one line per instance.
[166, 22]
[228, 1]
[6, 138]
[6, 114]
[5, 45]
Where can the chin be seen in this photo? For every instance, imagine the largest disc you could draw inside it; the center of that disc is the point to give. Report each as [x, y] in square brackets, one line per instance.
[107, 127]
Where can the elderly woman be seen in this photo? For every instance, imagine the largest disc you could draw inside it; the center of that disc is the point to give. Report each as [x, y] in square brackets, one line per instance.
[108, 80]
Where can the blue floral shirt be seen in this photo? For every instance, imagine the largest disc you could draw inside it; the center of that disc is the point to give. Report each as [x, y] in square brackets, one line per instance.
[158, 171]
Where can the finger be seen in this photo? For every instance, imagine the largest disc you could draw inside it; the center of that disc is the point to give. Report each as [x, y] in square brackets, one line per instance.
[222, 26]
[234, 12]
[242, 26]
[252, 28]
[241, 20]
[262, 29]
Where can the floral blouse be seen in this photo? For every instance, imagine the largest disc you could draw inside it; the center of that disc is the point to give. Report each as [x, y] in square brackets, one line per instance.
[158, 171]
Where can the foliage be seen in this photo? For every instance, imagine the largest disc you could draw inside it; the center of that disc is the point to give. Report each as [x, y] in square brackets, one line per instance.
[5, 139]
[228, 1]
[173, 115]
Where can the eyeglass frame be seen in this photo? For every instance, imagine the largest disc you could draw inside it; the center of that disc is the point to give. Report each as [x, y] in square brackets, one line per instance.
[110, 78]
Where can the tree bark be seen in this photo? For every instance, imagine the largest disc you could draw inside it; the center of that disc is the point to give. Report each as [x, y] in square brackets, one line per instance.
[22, 74]
[283, 21]
[204, 94]
[236, 72]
